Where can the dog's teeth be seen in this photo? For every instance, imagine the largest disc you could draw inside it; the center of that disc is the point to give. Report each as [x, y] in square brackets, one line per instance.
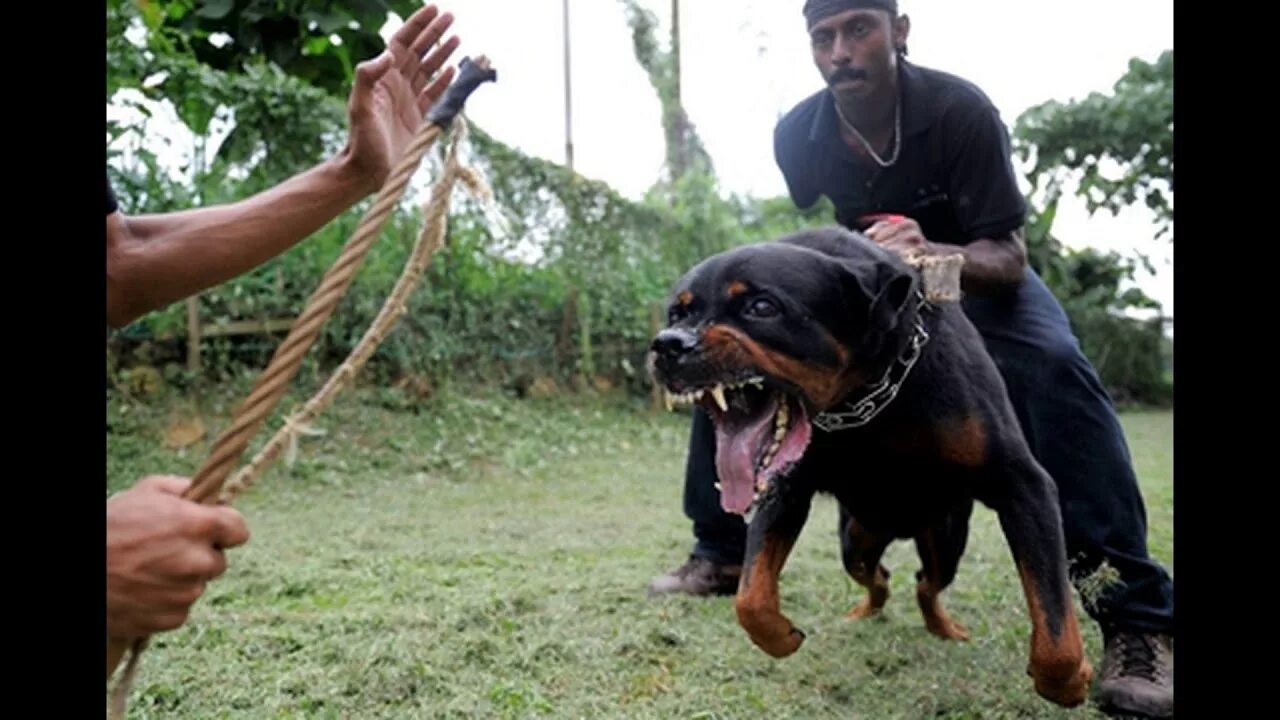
[697, 394]
[717, 487]
[669, 399]
[717, 392]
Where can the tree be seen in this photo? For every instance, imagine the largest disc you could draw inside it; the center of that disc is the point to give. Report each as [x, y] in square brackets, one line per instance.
[316, 41]
[685, 152]
[1132, 129]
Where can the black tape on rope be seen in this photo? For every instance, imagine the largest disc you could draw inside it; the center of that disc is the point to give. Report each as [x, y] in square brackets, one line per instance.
[470, 75]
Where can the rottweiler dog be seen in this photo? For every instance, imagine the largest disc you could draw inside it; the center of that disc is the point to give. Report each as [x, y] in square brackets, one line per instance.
[825, 369]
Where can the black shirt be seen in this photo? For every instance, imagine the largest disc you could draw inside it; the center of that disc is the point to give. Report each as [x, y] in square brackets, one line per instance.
[954, 173]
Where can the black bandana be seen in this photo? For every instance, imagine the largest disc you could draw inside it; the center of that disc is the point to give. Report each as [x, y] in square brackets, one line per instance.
[815, 10]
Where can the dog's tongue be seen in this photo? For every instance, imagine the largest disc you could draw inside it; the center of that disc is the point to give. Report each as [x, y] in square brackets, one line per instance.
[739, 437]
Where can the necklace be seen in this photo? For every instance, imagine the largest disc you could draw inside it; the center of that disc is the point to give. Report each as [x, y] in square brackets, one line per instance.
[897, 134]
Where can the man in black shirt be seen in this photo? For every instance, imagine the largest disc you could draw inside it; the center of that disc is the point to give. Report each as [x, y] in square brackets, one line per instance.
[887, 137]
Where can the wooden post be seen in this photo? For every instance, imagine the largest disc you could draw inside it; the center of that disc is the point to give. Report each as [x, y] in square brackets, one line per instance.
[568, 95]
[193, 335]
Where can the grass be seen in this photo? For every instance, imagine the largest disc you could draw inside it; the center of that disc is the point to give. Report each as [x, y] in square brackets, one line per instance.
[475, 555]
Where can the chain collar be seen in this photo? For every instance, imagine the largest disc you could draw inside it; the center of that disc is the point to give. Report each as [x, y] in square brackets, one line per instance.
[883, 392]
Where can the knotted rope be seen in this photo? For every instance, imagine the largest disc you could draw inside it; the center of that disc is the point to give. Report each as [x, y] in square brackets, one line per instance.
[208, 484]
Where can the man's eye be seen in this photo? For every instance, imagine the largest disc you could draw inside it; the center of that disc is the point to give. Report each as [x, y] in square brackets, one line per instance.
[762, 308]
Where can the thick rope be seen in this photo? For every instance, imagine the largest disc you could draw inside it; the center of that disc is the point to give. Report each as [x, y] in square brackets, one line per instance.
[288, 356]
[396, 304]
[208, 482]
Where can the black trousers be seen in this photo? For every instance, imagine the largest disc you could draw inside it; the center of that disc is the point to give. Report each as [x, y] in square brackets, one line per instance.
[1071, 424]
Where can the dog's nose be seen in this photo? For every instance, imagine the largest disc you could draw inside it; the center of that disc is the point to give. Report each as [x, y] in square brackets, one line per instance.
[674, 342]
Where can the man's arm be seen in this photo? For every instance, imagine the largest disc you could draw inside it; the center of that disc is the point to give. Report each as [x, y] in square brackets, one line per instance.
[991, 265]
[153, 260]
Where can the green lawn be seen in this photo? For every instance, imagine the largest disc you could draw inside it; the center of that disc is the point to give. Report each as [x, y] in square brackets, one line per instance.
[481, 556]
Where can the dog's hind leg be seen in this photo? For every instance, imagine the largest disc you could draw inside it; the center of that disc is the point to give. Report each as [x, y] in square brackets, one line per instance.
[940, 548]
[773, 532]
[861, 552]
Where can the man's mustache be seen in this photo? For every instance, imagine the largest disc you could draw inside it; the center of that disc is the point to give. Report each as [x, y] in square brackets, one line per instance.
[844, 74]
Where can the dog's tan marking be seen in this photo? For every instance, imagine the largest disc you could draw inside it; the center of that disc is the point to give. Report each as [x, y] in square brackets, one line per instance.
[732, 348]
[964, 442]
[936, 619]
[684, 298]
[757, 601]
[736, 288]
[1058, 665]
[863, 565]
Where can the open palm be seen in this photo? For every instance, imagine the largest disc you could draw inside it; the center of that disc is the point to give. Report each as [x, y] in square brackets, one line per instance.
[393, 92]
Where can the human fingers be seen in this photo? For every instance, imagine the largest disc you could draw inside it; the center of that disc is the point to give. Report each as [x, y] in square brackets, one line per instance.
[432, 63]
[414, 26]
[168, 484]
[432, 92]
[429, 35]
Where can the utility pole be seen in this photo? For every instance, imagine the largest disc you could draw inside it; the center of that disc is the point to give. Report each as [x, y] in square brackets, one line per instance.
[568, 95]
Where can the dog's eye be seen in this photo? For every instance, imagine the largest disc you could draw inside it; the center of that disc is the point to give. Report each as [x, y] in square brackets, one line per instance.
[761, 308]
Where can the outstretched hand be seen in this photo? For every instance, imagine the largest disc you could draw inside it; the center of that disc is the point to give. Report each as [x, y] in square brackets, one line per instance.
[393, 92]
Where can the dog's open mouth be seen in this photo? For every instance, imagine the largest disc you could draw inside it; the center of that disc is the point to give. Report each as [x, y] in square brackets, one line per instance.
[761, 433]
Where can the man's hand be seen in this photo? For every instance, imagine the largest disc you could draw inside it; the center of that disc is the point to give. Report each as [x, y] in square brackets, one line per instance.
[393, 92]
[161, 550]
[991, 265]
[902, 236]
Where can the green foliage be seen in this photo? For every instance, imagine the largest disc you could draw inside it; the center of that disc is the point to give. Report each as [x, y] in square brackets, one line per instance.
[317, 41]
[1134, 129]
[1131, 128]
[281, 124]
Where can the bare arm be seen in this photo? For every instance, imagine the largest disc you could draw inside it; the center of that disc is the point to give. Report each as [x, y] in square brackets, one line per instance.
[153, 260]
[990, 264]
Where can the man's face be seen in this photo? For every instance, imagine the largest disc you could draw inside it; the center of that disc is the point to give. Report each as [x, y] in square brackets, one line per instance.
[856, 51]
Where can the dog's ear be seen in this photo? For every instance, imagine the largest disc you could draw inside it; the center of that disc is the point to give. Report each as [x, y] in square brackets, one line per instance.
[895, 291]
[883, 289]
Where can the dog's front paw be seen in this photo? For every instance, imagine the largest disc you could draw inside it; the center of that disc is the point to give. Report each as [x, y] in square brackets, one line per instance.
[782, 646]
[771, 631]
[1067, 692]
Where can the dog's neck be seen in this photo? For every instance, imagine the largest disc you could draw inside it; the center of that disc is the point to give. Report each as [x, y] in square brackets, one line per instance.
[889, 371]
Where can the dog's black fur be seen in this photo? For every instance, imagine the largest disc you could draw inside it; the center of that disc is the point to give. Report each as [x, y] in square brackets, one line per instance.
[821, 316]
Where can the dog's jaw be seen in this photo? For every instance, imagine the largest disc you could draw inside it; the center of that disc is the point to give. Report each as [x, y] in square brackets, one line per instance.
[761, 434]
